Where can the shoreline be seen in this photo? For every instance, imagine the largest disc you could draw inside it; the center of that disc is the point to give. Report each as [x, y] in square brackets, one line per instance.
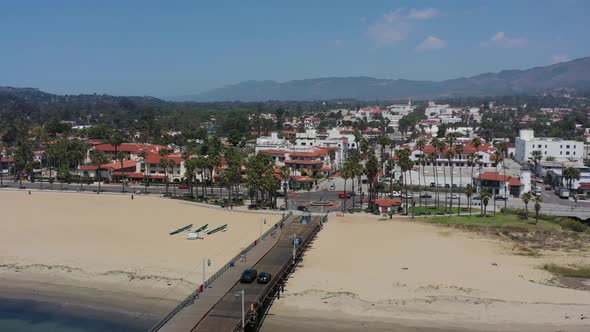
[110, 256]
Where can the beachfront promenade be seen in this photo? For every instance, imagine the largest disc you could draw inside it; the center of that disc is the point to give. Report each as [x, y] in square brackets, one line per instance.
[219, 307]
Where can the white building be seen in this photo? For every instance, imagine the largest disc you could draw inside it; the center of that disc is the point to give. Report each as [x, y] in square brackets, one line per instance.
[400, 109]
[556, 148]
[272, 142]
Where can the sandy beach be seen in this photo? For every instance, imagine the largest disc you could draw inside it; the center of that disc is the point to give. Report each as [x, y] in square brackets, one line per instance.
[397, 275]
[108, 251]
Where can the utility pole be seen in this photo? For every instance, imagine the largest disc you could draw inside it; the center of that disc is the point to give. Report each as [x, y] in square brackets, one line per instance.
[243, 315]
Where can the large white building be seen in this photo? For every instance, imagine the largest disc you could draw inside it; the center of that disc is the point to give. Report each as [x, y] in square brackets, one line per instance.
[556, 148]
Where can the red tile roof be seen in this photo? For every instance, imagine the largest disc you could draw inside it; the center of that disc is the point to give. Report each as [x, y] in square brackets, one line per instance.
[387, 202]
[304, 162]
[130, 147]
[7, 159]
[515, 182]
[315, 153]
[88, 168]
[303, 179]
[155, 158]
[135, 175]
[493, 176]
[273, 151]
[117, 164]
[467, 148]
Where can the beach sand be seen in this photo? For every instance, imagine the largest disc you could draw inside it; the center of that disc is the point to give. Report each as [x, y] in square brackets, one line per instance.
[110, 252]
[397, 275]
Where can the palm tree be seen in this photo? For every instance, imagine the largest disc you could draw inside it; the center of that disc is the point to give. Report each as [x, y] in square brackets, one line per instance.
[472, 160]
[441, 146]
[432, 158]
[420, 145]
[213, 162]
[571, 174]
[190, 167]
[459, 152]
[285, 173]
[469, 193]
[485, 199]
[116, 141]
[371, 169]
[201, 164]
[526, 197]
[143, 154]
[98, 158]
[538, 200]
[164, 154]
[497, 156]
[383, 141]
[166, 164]
[345, 173]
[450, 154]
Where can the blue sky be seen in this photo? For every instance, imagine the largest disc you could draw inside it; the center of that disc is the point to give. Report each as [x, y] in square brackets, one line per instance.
[172, 48]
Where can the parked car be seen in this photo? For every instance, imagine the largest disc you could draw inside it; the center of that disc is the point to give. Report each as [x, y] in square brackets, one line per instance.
[440, 185]
[351, 193]
[426, 196]
[548, 187]
[454, 196]
[344, 195]
[408, 196]
[432, 184]
[302, 208]
[264, 278]
[500, 198]
[395, 194]
[447, 185]
[476, 198]
[248, 276]
[333, 186]
[183, 186]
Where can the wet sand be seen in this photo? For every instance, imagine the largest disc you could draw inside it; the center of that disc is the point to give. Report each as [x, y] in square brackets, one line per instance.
[110, 252]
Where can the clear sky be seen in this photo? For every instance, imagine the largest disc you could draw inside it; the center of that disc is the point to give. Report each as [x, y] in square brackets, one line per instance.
[172, 48]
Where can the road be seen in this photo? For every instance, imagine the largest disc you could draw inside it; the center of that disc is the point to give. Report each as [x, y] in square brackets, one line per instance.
[110, 188]
[328, 192]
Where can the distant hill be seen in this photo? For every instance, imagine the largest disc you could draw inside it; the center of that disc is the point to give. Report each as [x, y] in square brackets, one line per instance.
[35, 96]
[566, 75]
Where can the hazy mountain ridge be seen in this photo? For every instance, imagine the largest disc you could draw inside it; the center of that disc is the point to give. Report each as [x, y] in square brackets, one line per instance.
[574, 74]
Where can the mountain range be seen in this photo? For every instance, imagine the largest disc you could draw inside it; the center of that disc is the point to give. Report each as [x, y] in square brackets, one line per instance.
[573, 74]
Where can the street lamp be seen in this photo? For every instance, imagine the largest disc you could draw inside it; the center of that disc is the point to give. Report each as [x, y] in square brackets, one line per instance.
[236, 295]
[208, 264]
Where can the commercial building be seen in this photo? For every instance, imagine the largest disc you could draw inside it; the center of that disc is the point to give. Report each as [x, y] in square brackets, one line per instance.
[556, 148]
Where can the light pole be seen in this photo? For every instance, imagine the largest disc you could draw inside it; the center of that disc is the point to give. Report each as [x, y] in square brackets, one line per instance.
[238, 294]
[204, 275]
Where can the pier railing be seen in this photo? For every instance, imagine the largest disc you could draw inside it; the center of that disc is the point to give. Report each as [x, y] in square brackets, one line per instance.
[195, 294]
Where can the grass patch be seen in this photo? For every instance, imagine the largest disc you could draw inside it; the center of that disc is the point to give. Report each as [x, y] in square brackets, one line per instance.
[434, 210]
[500, 220]
[568, 271]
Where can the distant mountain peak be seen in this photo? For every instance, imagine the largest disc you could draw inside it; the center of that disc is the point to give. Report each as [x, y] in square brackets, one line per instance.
[573, 74]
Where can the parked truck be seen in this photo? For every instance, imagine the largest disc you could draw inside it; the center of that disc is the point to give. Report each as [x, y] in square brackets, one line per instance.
[562, 193]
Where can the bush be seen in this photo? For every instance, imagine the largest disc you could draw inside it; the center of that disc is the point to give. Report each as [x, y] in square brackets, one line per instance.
[571, 224]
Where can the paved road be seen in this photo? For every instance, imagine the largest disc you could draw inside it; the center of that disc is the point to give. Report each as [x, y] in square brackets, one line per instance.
[110, 188]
